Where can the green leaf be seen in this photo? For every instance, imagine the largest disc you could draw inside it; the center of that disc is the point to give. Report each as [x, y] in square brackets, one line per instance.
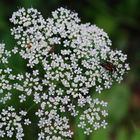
[136, 135]
[101, 134]
[118, 102]
[122, 134]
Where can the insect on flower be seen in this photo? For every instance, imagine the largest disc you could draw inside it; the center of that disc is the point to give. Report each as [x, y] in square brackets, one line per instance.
[108, 66]
[51, 50]
[29, 45]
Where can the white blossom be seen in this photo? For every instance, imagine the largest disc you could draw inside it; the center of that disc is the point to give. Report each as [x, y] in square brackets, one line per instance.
[67, 65]
[12, 123]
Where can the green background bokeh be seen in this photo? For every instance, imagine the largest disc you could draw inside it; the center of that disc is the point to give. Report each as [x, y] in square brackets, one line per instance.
[121, 20]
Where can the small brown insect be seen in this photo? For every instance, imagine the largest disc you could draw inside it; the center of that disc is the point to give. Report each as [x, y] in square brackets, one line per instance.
[28, 45]
[108, 66]
[51, 50]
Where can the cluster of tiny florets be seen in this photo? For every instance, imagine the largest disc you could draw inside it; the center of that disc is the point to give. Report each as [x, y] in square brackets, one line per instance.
[65, 59]
[11, 122]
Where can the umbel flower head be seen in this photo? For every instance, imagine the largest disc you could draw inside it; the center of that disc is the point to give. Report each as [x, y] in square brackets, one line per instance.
[68, 62]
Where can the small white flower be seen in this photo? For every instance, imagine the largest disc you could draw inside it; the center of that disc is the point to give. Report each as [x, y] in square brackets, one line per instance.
[99, 89]
[27, 122]
[22, 98]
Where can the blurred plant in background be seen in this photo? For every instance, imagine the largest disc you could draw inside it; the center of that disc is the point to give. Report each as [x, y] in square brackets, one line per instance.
[121, 20]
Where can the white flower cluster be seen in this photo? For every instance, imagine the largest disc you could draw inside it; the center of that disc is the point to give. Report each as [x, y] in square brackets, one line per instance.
[10, 123]
[93, 115]
[4, 54]
[68, 62]
[52, 125]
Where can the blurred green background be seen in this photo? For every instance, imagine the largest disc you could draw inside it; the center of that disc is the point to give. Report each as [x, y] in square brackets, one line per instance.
[121, 20]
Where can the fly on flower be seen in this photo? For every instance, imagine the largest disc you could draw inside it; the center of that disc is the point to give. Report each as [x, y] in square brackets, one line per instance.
[108, 66]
